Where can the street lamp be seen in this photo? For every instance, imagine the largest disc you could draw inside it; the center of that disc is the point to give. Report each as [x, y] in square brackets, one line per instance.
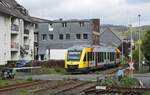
[139, 41]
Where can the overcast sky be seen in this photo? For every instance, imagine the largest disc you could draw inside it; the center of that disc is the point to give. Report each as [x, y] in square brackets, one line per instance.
[123, 12]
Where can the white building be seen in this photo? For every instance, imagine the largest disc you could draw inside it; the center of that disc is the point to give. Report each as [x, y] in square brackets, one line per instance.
[16, 33]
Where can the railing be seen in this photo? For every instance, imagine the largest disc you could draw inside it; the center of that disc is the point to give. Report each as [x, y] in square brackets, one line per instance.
[26, 31]
[14, 27]
[14, 45]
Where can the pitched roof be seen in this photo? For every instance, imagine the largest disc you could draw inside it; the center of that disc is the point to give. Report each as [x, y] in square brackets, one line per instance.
[11, 7]
[103, 30]
[116, 33]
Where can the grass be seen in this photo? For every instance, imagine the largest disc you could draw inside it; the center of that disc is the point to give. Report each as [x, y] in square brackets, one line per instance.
[146, 93]
[23, 92]
[55, 70]
[124, 82]
[11, 82]
[128, 82]
[30, 79]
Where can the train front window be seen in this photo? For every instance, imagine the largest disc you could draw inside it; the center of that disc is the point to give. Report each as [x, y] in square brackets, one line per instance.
[74, 55]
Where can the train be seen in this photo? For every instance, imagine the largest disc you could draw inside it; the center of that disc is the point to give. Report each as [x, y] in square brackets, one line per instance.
[86, 58]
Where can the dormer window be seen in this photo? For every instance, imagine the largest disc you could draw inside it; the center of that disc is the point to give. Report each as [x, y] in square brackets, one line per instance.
[64, 24]
[81, 24]
[50, 27]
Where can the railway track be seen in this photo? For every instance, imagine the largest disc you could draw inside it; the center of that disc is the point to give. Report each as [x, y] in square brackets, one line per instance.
[77, 88]
[20, 85]
[52, 86]
[120, 90]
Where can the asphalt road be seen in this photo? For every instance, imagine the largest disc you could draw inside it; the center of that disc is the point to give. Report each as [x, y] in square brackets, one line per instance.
[144, 78]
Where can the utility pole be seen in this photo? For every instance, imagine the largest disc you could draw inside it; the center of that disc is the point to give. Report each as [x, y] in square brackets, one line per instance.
[122, 46]
[131, 42]
[139, 41]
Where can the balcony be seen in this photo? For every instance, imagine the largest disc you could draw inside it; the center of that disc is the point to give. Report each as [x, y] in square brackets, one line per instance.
[26, 33]
[26, 47]
[14, 27]
[14, 46]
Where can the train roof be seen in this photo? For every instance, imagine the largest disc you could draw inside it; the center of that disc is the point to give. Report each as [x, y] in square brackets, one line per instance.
[96, 48]
[79, 47]
[105, 49]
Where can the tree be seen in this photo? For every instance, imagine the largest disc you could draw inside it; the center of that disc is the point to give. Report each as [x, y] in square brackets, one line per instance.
[146, 45]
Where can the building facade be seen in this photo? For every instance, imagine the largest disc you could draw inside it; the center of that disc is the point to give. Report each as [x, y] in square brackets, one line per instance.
[62, 34]
[17, 33]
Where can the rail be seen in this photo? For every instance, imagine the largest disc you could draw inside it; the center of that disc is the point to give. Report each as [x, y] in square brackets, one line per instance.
[20, 85]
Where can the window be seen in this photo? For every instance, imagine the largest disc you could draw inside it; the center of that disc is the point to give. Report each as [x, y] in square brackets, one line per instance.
[61, 36]
[112, 56]
[85, 36]
[44, 37]
[50, 27]
[67, 36]
[81, 24]
[64, 24]
[51, 36]
[78, 36]
[84, 58]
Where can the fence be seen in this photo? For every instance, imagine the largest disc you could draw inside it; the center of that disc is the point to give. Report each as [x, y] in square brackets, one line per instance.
[49, 63]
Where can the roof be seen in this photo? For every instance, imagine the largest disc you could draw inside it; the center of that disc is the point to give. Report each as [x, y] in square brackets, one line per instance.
[40, 20]
[79, 47]
[72, 20]
[96, 48]
[107, 28]
[117, 30]
[105, 49]
[11, 7]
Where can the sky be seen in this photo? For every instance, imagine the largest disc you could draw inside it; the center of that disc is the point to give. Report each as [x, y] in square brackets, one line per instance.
[118, 12]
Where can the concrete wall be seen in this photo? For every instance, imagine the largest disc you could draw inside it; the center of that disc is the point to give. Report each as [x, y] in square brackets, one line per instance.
[4, 39]
[7, 37]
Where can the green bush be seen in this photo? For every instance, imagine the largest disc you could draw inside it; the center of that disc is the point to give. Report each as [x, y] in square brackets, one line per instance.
[23, 92]
[30, 79]
[125, 82]
[129, 82]
[146, 93]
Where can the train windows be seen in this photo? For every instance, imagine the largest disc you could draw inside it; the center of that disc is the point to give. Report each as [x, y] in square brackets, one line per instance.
[84, 58]
[108, 55]
[92, 56]
[105, 56]
[102, 58]
[89, 54]
[98, 56]
[112, 56]
[74, 55]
